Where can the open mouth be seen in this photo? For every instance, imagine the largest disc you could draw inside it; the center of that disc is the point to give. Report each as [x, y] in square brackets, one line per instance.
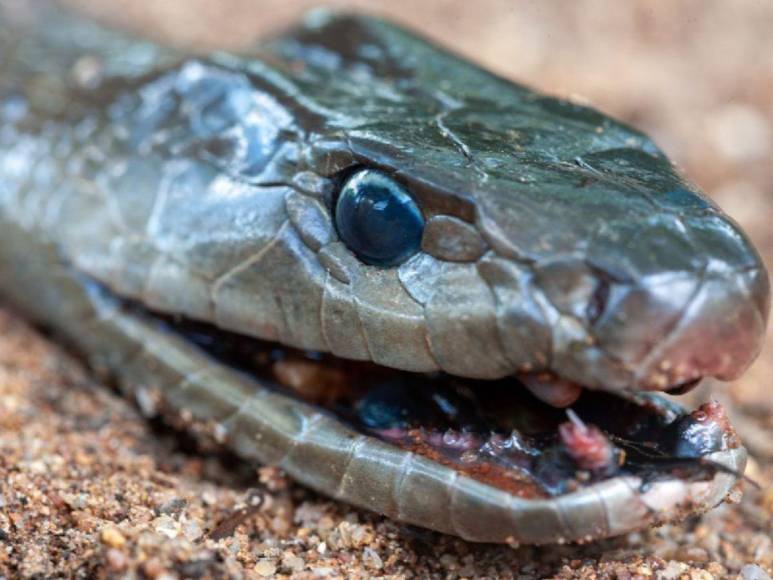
[496, 432]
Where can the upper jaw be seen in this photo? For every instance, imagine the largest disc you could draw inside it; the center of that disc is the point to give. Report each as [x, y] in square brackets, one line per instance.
[673, 331]
[654, 331]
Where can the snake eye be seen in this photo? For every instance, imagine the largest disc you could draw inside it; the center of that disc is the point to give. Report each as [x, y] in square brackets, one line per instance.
[377, 219]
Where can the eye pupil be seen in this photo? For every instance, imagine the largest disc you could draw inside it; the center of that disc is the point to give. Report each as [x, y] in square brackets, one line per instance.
[377, 219]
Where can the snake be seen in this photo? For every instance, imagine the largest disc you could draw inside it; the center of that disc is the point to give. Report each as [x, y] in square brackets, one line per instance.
[415, 286]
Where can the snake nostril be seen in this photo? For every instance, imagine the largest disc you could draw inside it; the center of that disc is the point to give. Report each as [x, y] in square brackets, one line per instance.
[598, 301]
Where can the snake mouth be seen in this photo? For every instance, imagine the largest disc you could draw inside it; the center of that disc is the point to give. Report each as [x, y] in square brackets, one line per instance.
[496, 432]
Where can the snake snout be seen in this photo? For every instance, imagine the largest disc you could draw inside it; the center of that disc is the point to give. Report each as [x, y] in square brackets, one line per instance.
[718, 333]
[673, 319]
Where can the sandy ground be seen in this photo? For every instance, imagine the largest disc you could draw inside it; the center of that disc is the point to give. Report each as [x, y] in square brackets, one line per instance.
[88, 488]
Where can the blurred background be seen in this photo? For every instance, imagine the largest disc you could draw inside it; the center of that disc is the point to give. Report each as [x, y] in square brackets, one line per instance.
[697, 75]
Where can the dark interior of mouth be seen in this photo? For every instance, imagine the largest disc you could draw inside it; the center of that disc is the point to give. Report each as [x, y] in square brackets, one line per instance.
[493, 431]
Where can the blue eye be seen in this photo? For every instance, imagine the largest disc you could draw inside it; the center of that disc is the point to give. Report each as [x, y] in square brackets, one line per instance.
[377, 219]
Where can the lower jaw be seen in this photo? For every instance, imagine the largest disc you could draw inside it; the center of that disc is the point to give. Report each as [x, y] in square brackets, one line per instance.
[496, 432]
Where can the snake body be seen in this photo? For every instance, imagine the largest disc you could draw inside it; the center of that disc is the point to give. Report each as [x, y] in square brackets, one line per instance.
[557, 240]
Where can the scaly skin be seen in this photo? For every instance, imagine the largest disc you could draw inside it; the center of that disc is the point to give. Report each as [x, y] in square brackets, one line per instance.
[561, 241]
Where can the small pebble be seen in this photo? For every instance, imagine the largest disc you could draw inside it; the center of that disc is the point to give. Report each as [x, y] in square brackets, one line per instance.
[265, 567]
[172, 507]
[753, 572]
[166, 526]
[192, 530]
[116, 560]
[293, 562]
[673, 570]
[110, 536]
[371, 559]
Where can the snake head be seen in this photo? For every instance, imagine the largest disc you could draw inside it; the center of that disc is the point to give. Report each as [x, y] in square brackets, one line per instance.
[556, 239]
[543, 237]
[641, 282]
